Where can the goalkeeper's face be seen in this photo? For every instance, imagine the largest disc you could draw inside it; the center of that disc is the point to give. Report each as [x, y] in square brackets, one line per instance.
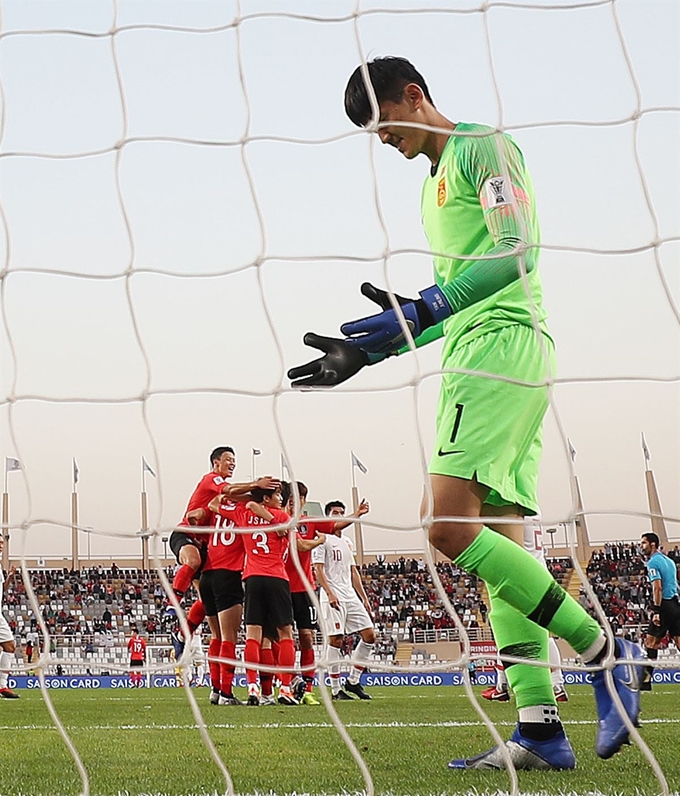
[397, 118]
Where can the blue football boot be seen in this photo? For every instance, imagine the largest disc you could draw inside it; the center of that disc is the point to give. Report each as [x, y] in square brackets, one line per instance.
[612, 733]
[555, 754]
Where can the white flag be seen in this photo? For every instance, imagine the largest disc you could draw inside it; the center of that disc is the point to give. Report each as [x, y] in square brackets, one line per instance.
[76, 471]
[359, 464]
[645, 449]
[572, 450]
[146, 467]
[256, 451]
[11, 464]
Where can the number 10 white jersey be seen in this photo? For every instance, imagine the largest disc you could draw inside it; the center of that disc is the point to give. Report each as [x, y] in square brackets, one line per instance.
[337, 556]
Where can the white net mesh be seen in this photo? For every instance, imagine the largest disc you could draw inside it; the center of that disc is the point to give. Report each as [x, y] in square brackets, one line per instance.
[182, 198]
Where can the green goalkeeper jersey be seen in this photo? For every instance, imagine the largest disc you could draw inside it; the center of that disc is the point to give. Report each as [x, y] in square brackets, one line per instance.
[469, 210]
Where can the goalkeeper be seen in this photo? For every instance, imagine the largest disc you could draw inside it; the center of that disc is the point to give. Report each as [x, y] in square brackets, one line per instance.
[480, 218]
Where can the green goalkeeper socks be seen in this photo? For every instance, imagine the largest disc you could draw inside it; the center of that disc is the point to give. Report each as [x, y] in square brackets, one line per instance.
[517, 578]
[517, 636]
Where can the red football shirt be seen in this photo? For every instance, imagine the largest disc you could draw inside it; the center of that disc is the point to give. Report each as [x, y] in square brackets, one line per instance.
[207, 488]
[307, 529]
[266, 551]
[137, 647]
[225, 548]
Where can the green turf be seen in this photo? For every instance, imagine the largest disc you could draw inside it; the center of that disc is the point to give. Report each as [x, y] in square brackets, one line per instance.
[144, 742]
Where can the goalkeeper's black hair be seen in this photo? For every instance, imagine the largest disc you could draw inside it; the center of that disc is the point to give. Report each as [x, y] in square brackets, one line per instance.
[216, 455]
[389, 76]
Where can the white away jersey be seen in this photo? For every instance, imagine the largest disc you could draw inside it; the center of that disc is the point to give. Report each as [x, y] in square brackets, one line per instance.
[337, 556]
[2, 584]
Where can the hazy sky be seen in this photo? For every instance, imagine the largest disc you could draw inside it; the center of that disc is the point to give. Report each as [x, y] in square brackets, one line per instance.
[167, 246]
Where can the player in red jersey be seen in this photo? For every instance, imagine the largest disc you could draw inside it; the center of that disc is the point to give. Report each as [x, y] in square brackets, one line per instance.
[222, 594]
[137, 647]
[268, 603]
[309, 534]
[190, 547]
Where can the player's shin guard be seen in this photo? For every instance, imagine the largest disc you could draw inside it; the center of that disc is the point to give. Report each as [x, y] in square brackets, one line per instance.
[525, 584]
[267, 678]
[307, 666]
[362, 654]
[213, 665]
[251, 656]
[555, 659]
[227, 650]
[334, 656]
[196, 615]
[286, 660]
[182, 580]
[517, 636]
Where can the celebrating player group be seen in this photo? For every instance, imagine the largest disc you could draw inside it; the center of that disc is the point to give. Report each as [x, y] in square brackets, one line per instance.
[235, 545]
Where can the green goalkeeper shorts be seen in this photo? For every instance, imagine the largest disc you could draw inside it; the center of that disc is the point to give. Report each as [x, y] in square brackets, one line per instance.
[490, 429]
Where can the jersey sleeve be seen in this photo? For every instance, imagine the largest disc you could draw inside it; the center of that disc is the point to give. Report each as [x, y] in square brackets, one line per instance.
[319, 554]
[653, 573]
[494, 167]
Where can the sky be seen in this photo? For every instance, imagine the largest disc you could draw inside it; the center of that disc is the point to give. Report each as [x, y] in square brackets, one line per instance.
[183, 200]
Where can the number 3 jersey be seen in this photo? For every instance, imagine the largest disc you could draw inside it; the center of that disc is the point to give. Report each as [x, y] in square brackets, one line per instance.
[266, 551]
[337, 556]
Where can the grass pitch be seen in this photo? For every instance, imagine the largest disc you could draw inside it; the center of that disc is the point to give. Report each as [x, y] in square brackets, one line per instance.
[145, 742]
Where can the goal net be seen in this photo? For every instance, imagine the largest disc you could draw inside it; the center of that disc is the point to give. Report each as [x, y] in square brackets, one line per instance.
[182, 197]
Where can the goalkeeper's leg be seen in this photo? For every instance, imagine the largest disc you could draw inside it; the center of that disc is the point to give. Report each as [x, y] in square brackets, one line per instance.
[518, 579]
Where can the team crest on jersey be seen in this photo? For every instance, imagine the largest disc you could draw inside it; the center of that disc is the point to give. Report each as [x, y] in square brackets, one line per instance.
[441, 190]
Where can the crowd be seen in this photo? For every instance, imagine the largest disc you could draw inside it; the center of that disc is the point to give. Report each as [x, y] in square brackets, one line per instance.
[90, 607]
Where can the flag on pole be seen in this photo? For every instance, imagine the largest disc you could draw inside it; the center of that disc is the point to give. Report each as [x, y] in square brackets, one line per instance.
[146, 467]
[357, 463]
[11, 464]
[256, 451]
[76, 471]
[285, 470]
[645, 449]
[572, 450]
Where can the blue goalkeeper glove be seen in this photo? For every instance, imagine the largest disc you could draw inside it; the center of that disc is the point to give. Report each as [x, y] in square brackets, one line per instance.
[340, 361]
[383, 333]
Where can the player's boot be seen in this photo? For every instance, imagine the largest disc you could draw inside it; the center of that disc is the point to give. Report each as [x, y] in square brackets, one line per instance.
[612, 733]
[267, 699]
[555, 755]
[214, 697]
[560, 694]
[298, 687]
[341, 695]
[357, 689]
[228, 699]
[286, 696]
[253, 695]
[496, 695]
[308, 698]
[7, 693]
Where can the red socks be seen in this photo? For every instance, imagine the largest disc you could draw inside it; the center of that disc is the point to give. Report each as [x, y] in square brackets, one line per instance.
[286, 660]
[183, 577]
[267, 678]
[251, 656]
[227, 650]
[196, 615]
[214, 652]
[307, 666]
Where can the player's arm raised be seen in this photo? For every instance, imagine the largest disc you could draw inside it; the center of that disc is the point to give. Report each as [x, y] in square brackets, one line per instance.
[305, 545]
[241, 490]
[363, 508]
